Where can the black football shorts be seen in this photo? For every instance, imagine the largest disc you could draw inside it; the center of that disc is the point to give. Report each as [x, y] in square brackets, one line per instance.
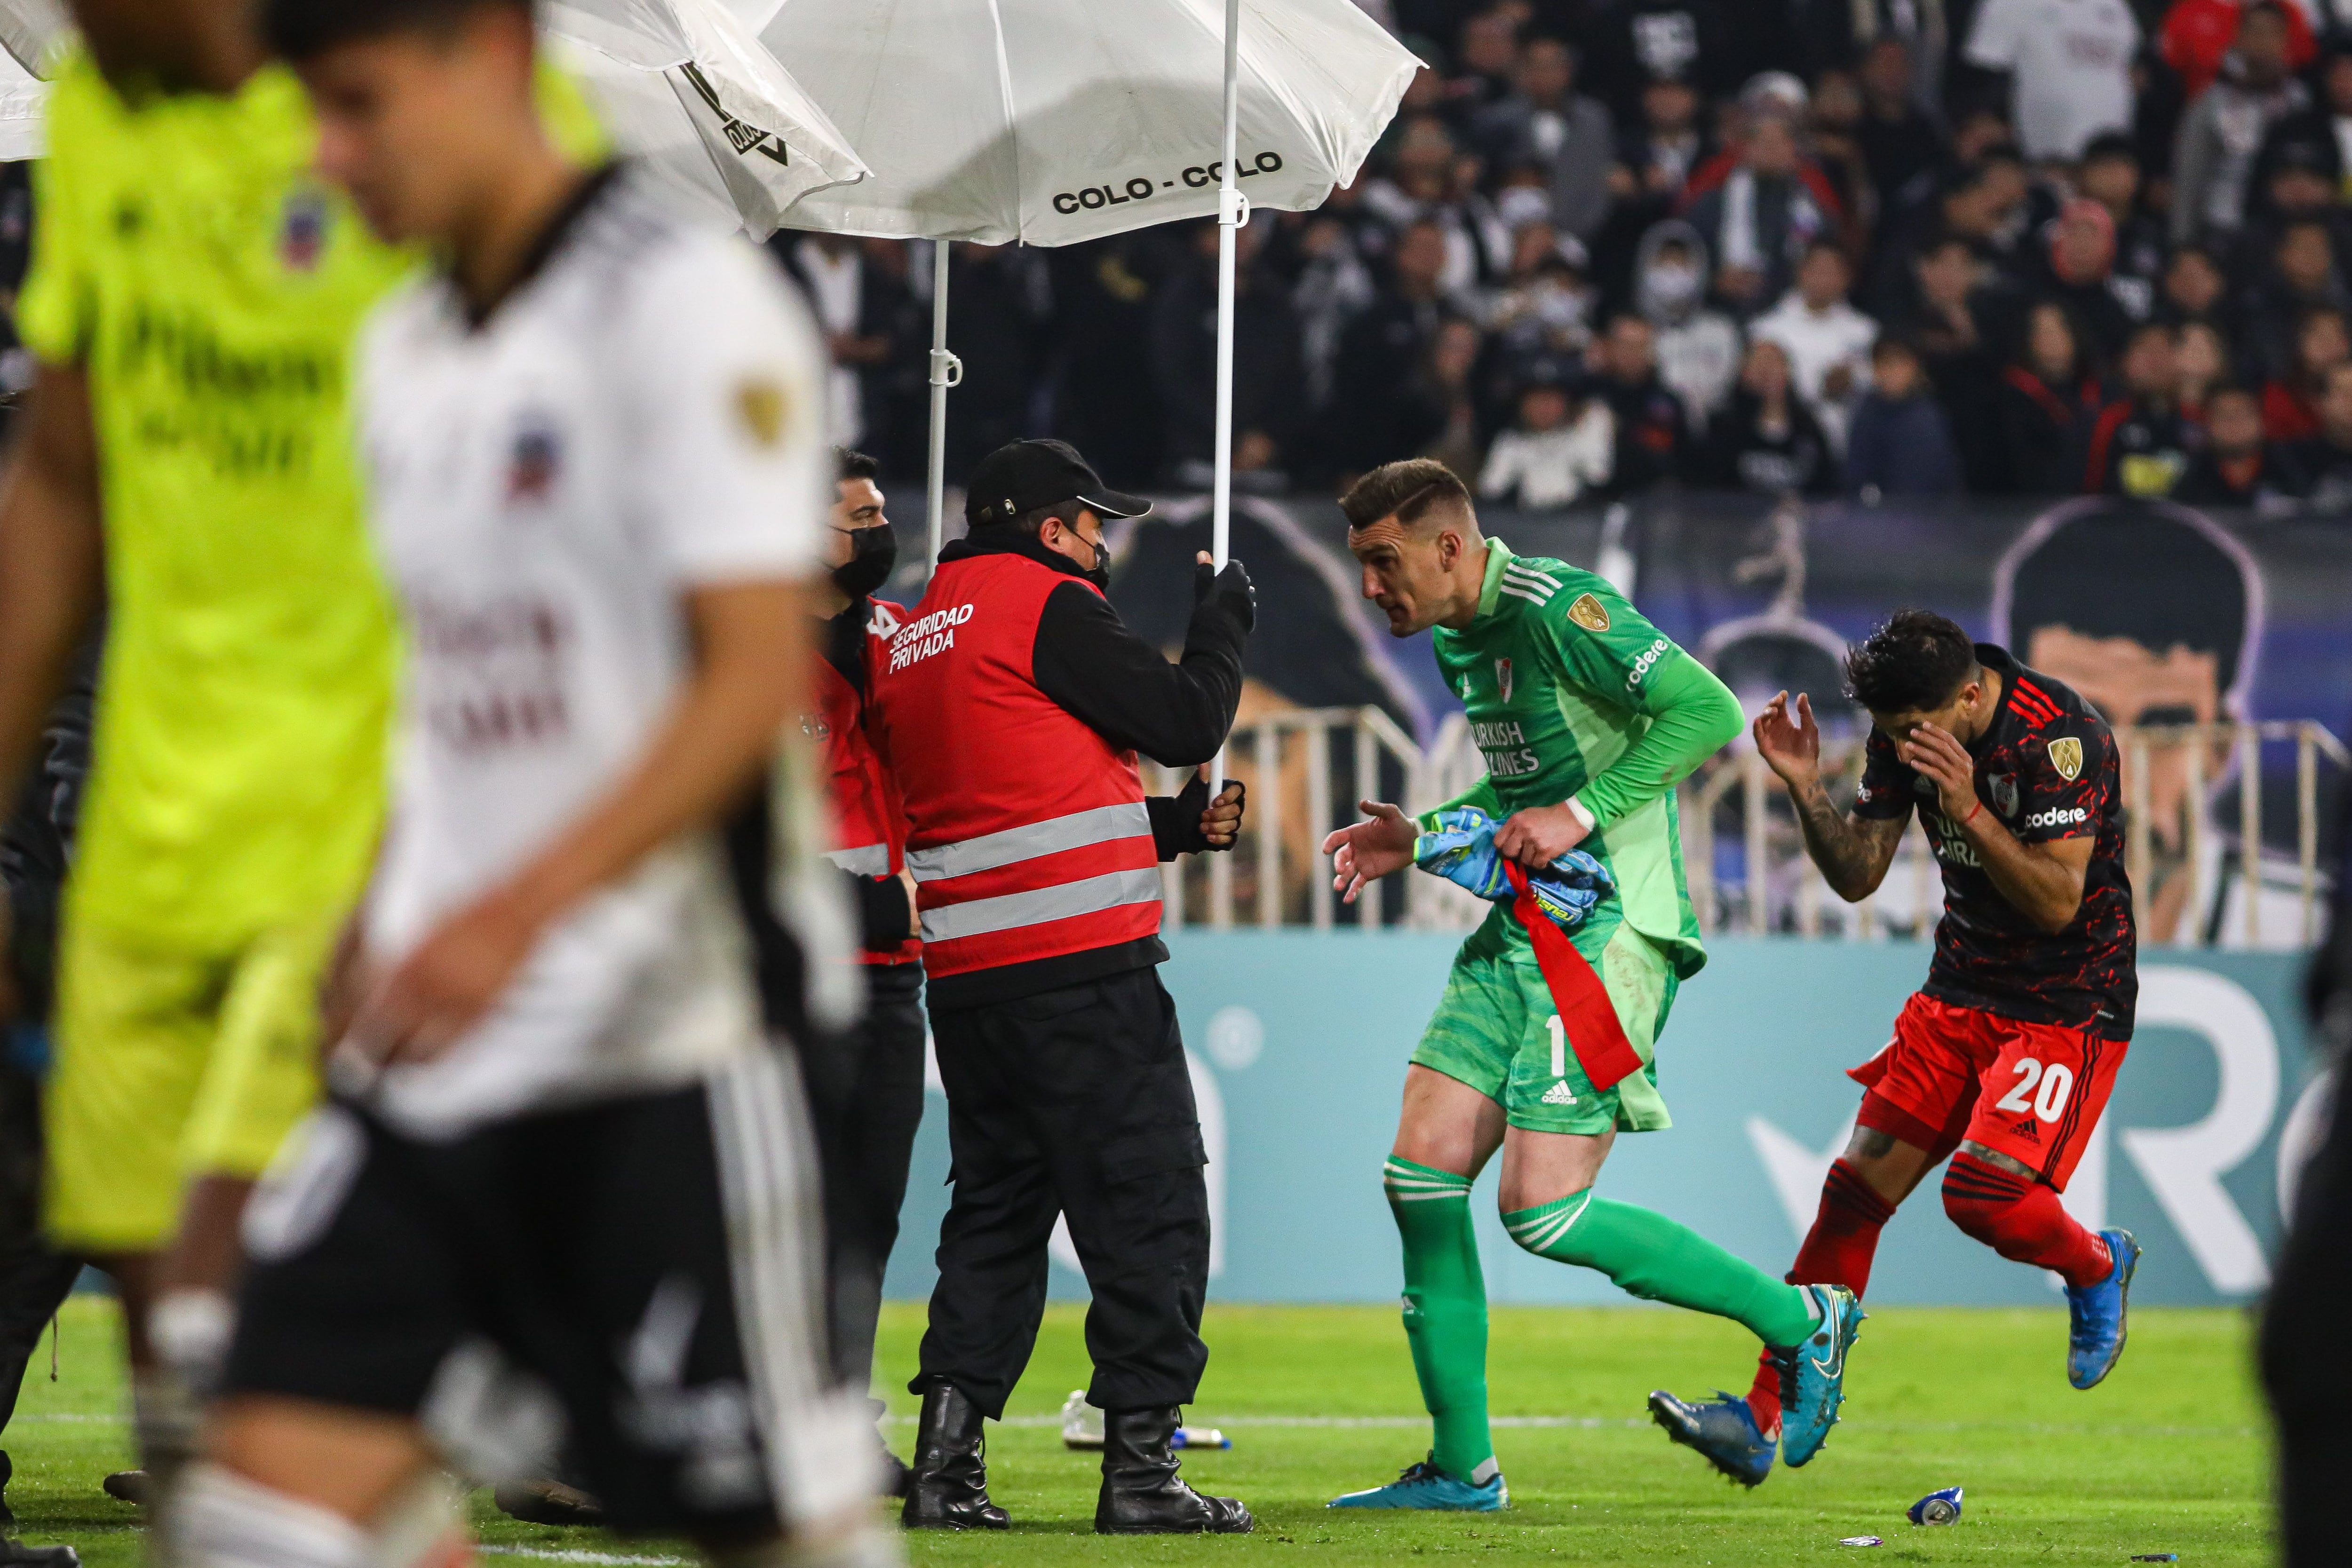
[631, 1285]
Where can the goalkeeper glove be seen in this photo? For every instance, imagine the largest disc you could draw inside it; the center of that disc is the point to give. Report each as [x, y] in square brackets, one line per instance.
[1461, 851]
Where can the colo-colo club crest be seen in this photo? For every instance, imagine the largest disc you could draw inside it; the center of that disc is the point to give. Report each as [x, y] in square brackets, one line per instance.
[2066, 756]
[1503, 678]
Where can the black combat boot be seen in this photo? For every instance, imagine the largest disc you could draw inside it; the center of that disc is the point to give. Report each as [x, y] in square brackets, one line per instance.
[1141, 1492]
[948, 1488]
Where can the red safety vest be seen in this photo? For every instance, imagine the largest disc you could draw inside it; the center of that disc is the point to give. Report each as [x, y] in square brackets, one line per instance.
[869, 827]
[1027, 832]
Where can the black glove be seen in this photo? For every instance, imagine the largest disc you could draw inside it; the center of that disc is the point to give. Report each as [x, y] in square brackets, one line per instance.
[884, 921]
[1231, 587]
[1193, 804]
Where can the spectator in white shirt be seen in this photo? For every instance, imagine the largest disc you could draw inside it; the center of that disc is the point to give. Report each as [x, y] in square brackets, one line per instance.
[2069, 63]
[1826, 338]
[1558, 450]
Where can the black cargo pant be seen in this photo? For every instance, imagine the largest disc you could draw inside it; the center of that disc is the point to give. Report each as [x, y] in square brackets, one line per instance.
[2306, 1357]
[1076, 1102]
[34, 1282]
[866, 1100]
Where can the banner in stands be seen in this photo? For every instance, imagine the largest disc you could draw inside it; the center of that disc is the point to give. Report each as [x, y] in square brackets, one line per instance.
[1298, 1042]
[2159, 613]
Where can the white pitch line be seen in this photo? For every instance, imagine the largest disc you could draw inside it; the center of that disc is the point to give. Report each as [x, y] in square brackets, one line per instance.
[1588, 1422]
[603, 1559]
[72, 1416]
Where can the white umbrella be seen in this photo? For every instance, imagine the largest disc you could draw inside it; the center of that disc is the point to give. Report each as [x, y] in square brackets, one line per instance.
[1050, 122]
[683, 85]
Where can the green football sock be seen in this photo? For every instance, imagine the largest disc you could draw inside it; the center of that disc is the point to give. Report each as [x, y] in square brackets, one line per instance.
[1444, 1312]
[1658, 1259]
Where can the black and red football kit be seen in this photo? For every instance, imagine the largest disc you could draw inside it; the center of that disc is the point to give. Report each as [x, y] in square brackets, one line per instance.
[2014, 1040]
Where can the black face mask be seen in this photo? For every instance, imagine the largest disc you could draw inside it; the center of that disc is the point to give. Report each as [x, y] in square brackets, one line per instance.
[1099, 573]
[873, 555]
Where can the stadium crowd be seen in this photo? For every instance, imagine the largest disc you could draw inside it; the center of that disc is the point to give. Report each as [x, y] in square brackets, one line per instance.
[1834, 246]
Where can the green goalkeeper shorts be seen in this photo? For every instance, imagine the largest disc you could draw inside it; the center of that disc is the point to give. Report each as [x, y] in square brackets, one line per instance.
[1497, 1030]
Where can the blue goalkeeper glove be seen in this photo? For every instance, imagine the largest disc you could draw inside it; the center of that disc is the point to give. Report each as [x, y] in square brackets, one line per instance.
[1570, 889]
[1461, 851]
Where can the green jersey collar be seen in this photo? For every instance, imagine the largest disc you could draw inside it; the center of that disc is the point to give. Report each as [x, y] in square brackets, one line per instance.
[1490, 592]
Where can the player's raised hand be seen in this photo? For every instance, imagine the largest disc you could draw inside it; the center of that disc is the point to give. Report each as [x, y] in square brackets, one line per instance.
[1370, 850]
[1538, 835]
[1790, 747]
[1938, 756]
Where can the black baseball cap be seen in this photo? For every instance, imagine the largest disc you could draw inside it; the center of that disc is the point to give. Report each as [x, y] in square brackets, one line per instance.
[1020, 475]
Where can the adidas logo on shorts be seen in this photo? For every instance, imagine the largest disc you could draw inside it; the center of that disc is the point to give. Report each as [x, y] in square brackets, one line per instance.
[2027, 1127]
[1560, 1093]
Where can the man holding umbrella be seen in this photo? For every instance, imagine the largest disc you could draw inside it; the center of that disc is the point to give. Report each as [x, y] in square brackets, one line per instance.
[1011, 704]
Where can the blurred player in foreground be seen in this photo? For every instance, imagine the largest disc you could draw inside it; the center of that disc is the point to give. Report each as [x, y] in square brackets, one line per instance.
[1587, 717]
[558, 1142]
[192, 294]
[2008, 1052]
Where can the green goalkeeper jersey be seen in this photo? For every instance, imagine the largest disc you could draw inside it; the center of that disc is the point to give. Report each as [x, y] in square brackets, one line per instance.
[1572, 694]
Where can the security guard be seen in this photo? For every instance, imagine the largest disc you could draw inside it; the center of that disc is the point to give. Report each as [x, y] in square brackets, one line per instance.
[1011, 705]
[864, 1084]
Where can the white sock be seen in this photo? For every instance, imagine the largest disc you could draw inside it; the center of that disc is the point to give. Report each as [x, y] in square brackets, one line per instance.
[224, 1521]
[191, 1330]
[423, 1526]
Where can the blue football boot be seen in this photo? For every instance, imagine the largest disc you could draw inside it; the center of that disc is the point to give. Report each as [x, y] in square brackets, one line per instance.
[1722, 1430]
[1427, 1486]
[2095, 1342]
[1812, 1375]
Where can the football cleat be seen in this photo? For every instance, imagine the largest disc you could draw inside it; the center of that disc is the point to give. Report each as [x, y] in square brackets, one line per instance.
[2095, 1341]
[1424, 1486]
[1812, 1375]
[1722, 1430]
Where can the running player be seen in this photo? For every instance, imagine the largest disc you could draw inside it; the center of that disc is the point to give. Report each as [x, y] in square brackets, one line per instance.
[1587, 717]
[192, 295]
[559, 1141]
[2007, 1053]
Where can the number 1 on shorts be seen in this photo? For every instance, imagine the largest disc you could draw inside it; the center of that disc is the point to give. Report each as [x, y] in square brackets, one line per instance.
[1559, 1046]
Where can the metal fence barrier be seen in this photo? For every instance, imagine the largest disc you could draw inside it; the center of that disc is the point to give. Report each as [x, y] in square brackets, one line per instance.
[2189, 826]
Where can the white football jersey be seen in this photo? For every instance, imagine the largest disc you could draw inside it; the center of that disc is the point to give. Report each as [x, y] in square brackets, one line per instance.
[640, 417]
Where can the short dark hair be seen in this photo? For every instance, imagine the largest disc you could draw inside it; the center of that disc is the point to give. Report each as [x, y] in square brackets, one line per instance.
[1915, 661]
[850, 464]
[1030, 521]
[302, 30]
[1894, 343]
[1406, 489]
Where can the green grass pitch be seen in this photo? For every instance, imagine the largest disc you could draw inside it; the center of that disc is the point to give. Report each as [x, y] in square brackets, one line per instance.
[2170, 1455]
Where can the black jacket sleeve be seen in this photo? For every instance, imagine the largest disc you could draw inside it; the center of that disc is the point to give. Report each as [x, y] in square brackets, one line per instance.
[1086, 660]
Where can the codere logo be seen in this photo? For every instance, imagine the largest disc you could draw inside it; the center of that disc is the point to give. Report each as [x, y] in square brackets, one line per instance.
[1650, 655]
[2057, 816]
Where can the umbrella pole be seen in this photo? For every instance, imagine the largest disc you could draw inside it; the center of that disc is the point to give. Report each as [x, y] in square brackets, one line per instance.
[1232, 212]
[946, 372]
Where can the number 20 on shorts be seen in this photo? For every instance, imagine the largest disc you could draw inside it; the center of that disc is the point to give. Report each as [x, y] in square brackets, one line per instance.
[2039, 1089]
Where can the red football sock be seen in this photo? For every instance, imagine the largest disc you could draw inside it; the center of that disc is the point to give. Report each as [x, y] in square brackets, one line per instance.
[2023, 1221]
[1838, 1251]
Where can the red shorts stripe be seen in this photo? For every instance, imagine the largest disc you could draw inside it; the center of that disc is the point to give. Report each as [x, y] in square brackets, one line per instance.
[2033, 1092]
